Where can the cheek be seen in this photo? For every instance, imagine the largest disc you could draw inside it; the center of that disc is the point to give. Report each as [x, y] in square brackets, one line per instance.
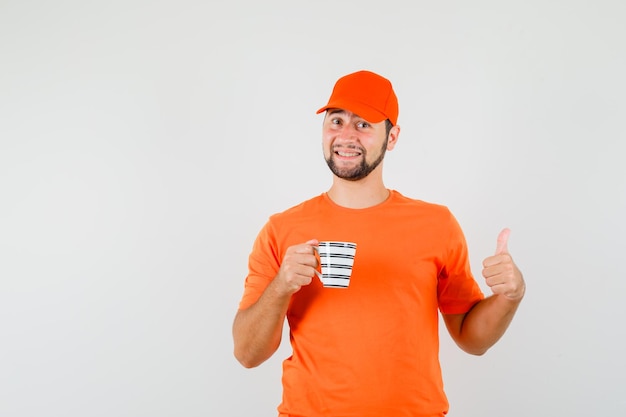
[326, 143]
[326, 150]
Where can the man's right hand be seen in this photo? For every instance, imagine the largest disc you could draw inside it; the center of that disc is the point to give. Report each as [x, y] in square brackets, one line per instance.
[298, 268]
[257, 330]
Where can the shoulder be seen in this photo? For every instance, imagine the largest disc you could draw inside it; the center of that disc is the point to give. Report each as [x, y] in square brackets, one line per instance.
[433, 218]
[309, 207]
[402, 202]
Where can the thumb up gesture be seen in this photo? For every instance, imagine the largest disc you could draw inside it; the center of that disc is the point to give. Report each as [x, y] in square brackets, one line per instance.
[500, 272]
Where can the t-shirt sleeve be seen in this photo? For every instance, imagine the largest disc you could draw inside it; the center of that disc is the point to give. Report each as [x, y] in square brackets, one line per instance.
[457, 290]
[263, 265]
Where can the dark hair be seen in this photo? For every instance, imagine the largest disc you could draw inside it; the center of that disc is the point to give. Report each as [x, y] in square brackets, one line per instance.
[388, 126]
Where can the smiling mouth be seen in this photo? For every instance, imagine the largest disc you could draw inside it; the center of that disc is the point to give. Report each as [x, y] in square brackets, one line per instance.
[347, 154]
[348, 151]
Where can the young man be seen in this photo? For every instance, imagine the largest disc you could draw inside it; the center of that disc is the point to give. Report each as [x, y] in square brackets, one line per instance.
[371, 349]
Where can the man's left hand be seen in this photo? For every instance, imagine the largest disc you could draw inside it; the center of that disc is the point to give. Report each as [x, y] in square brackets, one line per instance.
[500, 272]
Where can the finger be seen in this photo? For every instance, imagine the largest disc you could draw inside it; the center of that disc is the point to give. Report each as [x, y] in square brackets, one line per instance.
[493, 260]
[501, 288]
[297, 273]
[510, 289]
[314, 243]
[505, 270]
[307, 247]
[495, 281]
[306, 259]
[503, 240]
[491, 271]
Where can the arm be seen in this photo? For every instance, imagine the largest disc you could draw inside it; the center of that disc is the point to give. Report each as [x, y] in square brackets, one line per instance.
[257, 330]
[480, 328]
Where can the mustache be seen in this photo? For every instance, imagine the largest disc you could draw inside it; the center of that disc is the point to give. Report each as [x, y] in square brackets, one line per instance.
[351, 146]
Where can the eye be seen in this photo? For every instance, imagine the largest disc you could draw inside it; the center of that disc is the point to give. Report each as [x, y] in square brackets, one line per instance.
[335, 121]
[363, 125]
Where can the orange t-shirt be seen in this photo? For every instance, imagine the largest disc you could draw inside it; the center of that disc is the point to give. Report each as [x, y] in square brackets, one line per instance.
[371, 349]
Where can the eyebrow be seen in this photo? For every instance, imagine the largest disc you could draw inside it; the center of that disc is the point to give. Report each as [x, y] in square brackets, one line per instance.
[336, 111]
[332, 112]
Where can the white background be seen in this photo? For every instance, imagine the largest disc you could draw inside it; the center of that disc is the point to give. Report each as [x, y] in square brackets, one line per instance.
[144, 143]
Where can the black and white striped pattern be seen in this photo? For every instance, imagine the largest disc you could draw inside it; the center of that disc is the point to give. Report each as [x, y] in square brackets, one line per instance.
[336, 259]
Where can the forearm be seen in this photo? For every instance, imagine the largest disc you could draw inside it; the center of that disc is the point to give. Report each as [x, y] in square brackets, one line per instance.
[480, 328]
[257, 330]
[485, 323]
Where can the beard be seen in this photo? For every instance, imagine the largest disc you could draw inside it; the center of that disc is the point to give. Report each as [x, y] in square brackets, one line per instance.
[360, 171]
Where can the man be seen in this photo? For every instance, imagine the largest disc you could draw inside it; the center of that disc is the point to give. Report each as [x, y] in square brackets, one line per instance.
[371, 349]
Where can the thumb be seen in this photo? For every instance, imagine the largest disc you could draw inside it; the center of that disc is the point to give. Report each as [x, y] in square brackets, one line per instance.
[503, 240]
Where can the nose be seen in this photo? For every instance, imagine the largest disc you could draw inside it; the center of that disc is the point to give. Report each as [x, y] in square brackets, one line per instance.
[348, 132]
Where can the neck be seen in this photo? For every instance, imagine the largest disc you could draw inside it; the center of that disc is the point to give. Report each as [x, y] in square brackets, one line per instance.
[368, 192]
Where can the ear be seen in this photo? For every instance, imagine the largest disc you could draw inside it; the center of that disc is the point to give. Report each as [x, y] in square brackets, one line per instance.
[394, 133]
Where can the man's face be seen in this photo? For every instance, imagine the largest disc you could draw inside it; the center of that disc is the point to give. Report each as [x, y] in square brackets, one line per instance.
[353, 147]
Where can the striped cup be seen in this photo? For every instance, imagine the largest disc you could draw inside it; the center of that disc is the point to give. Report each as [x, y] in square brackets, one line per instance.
[336, 260]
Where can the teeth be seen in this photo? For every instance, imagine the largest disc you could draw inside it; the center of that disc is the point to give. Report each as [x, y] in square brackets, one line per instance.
[348, 153]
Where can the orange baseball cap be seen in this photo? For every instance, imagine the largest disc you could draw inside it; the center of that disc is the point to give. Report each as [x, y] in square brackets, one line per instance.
[367, 94]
